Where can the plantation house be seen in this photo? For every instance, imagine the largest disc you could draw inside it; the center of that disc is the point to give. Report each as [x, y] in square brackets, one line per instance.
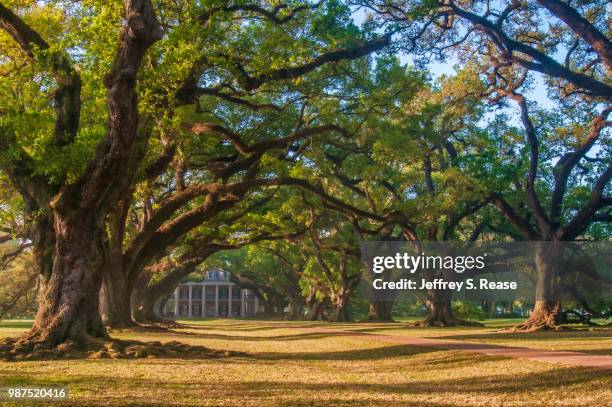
[215, 296]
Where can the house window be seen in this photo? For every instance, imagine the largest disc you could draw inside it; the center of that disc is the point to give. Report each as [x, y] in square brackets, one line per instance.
[235, 293]
[223, 292]
[210, 292]
[196, 294]
[184, 292]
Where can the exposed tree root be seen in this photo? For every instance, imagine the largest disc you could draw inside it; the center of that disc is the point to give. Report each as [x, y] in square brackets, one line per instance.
[546, 316]
[12, 349]
[535, 326]
[440, 313]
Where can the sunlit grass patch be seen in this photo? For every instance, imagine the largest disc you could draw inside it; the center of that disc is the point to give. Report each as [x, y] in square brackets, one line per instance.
[296, 364]
[584, 339]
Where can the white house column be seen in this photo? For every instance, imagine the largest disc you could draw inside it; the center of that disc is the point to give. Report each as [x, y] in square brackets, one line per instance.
[190, 298]
[242, 308]
[216, 300]
[229, 301]
[176, 301]
[203, 312]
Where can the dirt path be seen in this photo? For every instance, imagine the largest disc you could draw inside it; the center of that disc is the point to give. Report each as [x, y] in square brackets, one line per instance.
[540, 355]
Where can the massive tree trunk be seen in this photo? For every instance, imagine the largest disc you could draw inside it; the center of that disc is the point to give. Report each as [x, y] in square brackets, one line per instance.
[340, 302]
[315, 311]
[340, 313]
[115, 304]
[68, 304]
[161, 306]
[380, 311]
[440, 312]
[295, 307]
[547, 313]
[146, 310]
[315, 307]
[380, 307]
[70, 243]
[147, 297]
[148, 294]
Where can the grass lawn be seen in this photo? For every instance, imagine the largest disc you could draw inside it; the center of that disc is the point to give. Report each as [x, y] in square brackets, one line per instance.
[290, 364]
[587, 340]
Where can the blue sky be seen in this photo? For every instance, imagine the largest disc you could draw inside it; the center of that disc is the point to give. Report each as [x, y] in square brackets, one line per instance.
[538, 92]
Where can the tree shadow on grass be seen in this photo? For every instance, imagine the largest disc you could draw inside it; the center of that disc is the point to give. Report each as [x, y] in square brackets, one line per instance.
[383, 352]
[422, 331]
[524, 339]
[249, 338]
[294, 337]
[604, 352]
[508, 387]
[533, 336]
[498, 384]
[252, 327]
